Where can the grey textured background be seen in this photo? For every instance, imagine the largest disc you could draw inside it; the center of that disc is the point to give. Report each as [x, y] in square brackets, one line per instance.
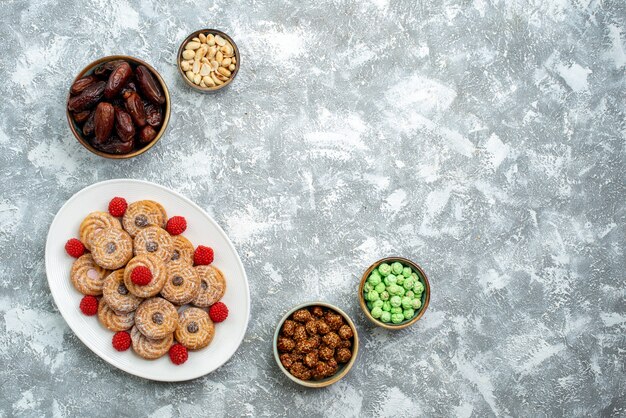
[484, 139]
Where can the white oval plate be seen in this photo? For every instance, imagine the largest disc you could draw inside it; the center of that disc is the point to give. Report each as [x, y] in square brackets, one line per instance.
[201, 229]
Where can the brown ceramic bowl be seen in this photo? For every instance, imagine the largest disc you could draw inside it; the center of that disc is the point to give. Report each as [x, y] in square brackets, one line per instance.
[343, 369]
[166, 112]
[179, 58]
[425, 295]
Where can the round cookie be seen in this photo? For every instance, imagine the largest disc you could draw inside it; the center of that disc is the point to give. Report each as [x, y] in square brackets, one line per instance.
[156, 318]
[93, 224]
[154, 240]
[142, 214]
[212, 286]
[88, 277]
[112, 248]
[117, 296]
[182, 284]
[195, 329]
[112, 320]
[147, 348]
[183, 250]
[158, 270]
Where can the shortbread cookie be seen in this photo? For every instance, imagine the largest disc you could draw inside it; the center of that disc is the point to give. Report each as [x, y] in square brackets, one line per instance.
[182, 284]
[117, 296]
[143, 214]
[154, 240]
[88, 277]
[150, 349]
[183, 250]
[95, 223]
[156, 318]
[195, 329]
[157, 268]
[212, 286]
[112, 248]
[112, 320]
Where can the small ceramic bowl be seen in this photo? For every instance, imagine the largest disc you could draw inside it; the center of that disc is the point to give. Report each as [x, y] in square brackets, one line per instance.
[179, 59]
[76, 130]
[425, 295]
[343, 368]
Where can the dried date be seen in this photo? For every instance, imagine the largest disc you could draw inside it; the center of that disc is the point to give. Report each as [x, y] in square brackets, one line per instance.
[129, 88]
[81, 84]
[115, 145]
[106, 68]
[104, 121]
[88, 98]
[149, 86]
[81, 117]
[147, 134]
[154, 115]
[118, 79]
[90, 125]
[134, 106]
[124, 125]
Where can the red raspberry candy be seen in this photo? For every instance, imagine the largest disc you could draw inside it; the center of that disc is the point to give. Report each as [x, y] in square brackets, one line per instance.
[121, 341]
[89, 305]
[141, 275]
[203, 255]
[176, 225]
[117, 206]
[178, 354]
[74, 247]
[218, 312]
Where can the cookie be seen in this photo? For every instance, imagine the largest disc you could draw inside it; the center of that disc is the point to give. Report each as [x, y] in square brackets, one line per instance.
[182, 284]
[195, 329]
[116, 295]
[142, 214]
[157, 268]
[154, 240]
[156, 318]
[88, 277]
[212, 286]
[182, 251]
[150, 349]
[93, 224]
[112, 248]
[112, 320]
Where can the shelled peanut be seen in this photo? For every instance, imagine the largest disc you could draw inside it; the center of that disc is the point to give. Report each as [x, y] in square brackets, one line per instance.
[208, 60]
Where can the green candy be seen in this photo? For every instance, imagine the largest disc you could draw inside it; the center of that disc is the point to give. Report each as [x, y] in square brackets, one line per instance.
[418, 288]
[377, 312]
[397, 318]
[373, 295]
[377, 303]
[409, 283]
[385, 317]
[401, 291]
[395, 301]
[384, 295]
[369, 305]
[374, 279]
[406, 272]
[393, 289]
[390, 279]
[400, 280]
[416, 304]
[406, 302]
[367, 287]
[396, 310]
[375, 272]
[396, 268]
[415, 277]
[409, 294]
[380, 288]
[386, 306]
[408, 313]
[384, 269]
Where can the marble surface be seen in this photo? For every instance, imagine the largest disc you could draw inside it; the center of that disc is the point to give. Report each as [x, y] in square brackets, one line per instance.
[483, 139]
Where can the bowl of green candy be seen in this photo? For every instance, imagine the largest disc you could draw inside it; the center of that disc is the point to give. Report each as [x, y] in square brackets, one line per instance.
[394, 293]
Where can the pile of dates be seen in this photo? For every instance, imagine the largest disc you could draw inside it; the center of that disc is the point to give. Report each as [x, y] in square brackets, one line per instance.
[119, 107]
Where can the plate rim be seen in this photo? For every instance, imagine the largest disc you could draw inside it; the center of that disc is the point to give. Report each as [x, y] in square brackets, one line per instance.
[94, 348]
